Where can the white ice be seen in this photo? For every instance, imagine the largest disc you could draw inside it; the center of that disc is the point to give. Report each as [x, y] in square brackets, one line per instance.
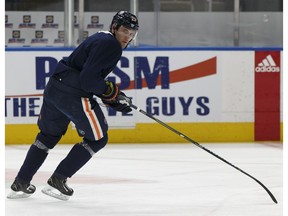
[158, 180]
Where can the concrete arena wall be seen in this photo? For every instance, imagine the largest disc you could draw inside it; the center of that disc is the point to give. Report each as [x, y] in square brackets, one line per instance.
[208, 94]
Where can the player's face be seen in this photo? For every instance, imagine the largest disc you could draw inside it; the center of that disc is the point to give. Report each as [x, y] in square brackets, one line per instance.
[124, 35]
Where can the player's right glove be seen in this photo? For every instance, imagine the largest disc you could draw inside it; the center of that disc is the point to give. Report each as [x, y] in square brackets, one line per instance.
[121, 103]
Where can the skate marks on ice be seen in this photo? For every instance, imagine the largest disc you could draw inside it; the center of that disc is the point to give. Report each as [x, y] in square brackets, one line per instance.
[158, 180]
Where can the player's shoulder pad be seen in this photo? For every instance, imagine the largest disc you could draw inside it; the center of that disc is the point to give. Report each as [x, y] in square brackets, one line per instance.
[108, 39]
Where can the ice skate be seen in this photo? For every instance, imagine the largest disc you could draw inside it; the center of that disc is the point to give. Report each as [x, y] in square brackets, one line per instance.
[21, 190]
[58, 188]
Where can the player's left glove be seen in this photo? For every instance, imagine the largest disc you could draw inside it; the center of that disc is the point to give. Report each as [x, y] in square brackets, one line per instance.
[121, 103]
[111, 93]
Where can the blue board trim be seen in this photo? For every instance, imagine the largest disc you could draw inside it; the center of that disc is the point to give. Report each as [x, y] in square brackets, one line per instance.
[149, 48]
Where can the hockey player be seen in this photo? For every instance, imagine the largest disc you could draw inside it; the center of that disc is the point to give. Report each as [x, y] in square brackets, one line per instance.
[70, 96]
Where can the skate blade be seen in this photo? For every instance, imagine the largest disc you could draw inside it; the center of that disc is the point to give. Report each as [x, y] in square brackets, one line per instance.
[18, 195]
[53, 192]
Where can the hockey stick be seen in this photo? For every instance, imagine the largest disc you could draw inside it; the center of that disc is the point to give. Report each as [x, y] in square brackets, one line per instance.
[128, 101]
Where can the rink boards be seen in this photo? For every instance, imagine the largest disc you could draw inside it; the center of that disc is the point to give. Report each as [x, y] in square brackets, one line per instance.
[210, 95]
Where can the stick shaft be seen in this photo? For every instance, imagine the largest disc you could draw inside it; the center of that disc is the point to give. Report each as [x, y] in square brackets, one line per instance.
[205, 149]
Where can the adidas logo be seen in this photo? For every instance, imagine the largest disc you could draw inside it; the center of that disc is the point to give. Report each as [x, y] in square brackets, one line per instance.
[267, 65]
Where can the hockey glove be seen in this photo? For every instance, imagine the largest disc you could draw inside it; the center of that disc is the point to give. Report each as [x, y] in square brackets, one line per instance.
[121, 103]
[111, 93]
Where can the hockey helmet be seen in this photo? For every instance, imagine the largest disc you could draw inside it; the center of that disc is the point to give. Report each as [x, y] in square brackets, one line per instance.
[126, 19]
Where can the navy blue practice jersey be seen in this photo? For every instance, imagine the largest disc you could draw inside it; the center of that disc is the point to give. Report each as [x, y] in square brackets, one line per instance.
[90, 63]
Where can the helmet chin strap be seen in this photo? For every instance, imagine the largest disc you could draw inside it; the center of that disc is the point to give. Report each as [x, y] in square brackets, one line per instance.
[131, 40]
[126, 45]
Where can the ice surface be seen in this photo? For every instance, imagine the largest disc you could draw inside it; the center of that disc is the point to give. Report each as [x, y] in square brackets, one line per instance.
[158, 180]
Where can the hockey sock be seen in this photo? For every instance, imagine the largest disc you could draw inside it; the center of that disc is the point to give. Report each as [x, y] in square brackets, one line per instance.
[35, 157]
[79, 155]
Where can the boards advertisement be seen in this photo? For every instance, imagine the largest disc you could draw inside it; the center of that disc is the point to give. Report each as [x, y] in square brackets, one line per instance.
[210, 94]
